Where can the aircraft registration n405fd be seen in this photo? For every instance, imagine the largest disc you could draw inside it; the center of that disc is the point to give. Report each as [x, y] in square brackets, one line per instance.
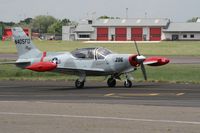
[82, 62]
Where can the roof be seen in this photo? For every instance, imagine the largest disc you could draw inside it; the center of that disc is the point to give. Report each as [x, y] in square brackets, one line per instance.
[84, 28]
[198, 20]
[132, 22]
[183, 27]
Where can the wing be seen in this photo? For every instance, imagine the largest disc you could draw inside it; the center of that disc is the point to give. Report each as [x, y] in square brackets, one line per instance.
[88, 71]
[156, 61]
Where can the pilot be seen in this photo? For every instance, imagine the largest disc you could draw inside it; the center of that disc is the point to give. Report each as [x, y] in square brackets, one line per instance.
[90, 54]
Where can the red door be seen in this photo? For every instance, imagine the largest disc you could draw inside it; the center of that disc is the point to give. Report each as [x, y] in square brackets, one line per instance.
[136, 34]
[120, 34]
[155, 34]
[102, 34]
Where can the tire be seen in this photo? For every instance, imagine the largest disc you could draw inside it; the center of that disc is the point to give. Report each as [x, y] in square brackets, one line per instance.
[128, 84]
[111, 82]
[79, 84]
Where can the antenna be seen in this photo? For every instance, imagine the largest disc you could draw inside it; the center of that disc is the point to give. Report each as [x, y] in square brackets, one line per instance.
[126, 12]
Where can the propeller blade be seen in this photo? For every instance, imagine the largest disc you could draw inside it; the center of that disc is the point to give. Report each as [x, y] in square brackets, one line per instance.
[137, 48]
[141, 60]
[143, 71]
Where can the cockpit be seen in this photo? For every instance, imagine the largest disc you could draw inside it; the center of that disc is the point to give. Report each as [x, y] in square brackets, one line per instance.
[91, 53]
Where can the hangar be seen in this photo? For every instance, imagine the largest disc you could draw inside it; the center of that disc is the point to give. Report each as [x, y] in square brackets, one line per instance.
[142, 29]
[129, 29]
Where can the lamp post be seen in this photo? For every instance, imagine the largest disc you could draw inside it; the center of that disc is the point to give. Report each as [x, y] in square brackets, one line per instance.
[126, 12]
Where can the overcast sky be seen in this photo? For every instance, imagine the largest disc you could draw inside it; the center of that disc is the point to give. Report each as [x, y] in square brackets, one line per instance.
[176, 10]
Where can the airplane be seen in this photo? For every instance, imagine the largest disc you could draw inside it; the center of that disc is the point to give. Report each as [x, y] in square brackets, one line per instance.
[97, 61]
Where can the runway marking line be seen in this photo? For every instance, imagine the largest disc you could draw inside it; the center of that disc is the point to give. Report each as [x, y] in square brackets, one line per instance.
[180, 94]
[131, 94]
[110, 94]
[101, 117]
[154, 94]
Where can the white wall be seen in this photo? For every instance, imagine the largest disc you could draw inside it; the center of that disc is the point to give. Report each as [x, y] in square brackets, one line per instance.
[168, 36]
[111, 31]
[65, 33]
[146, 31]
[93, 35]
[128, 33]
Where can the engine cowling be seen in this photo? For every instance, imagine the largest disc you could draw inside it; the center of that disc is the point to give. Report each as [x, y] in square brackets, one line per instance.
[42, 66]
[136, 60]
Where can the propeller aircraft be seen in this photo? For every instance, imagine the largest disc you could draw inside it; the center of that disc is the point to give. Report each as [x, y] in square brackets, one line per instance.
[82, 62]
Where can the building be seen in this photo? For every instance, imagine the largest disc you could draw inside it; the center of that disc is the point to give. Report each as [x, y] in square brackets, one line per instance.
[82, 31]
[141, 29]
[129, 29]
[182, 31]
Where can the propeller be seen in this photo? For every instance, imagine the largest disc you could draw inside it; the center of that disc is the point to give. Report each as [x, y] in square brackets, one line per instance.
[140, 59]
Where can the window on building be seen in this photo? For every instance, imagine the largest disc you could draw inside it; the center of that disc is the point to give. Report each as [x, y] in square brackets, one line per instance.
[84, 36]
[89, 21]
[192, 36]
[184, 36]
[175, 37]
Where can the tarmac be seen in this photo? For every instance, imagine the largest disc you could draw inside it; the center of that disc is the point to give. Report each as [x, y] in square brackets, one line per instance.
[57, 106]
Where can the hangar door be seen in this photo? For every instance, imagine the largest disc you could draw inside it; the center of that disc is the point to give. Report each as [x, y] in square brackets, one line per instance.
[102, 34]
[155, 34]
[120, 34]
[136, 34]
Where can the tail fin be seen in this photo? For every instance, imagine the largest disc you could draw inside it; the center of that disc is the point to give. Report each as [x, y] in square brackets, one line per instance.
[25, 47]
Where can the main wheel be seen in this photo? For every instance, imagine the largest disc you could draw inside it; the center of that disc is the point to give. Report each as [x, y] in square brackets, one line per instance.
[128, 84]
[111, 82]
[79, 84]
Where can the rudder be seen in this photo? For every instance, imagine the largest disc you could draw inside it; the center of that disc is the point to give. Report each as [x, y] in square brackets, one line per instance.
[24, 45]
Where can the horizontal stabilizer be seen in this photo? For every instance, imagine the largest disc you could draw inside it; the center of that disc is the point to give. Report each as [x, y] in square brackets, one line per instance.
[15, 63]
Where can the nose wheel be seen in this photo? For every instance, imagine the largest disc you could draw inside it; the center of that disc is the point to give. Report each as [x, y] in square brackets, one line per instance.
[128, 83]
[111, 82]
[79, 84]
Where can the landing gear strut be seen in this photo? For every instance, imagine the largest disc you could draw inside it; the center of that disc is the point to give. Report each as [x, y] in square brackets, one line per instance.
[111, 82]
[127, 83]
[79, 83]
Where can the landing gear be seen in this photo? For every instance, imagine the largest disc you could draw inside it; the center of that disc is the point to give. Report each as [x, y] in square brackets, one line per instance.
[111, 82]
[127, 83]
[79, 84]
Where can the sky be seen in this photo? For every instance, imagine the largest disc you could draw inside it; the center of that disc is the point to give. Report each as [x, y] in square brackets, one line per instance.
[176, 10]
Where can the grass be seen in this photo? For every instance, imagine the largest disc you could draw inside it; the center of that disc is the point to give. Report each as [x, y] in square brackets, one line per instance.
[168, 48]
[185, 73]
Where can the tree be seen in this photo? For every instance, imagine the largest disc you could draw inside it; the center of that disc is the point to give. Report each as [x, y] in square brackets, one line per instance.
[26, 21]
[107, 17]
[65, 22]
[55, 28]
[41, 23]
[194, 19]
